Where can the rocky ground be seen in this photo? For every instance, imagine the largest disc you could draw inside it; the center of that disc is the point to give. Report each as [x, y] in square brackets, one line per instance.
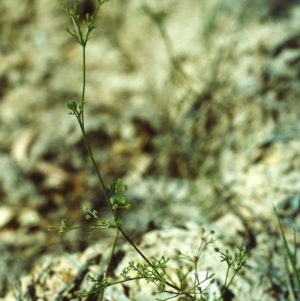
[193, 104]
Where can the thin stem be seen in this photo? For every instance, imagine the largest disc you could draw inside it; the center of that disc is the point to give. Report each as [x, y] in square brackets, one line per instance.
[112, 253]
[97, 170]
[77, 28]
[231, 280]
[81, 123]
[83, 85]
[226, 278]
[100, 298]
[144, 257]
[134, 246]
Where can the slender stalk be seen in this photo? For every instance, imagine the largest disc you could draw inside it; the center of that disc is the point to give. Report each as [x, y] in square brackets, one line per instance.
[82, 127]
[112, 252]
[226, 278]
[100, 298]
[86, 142]
[83, 85]
[143, 256]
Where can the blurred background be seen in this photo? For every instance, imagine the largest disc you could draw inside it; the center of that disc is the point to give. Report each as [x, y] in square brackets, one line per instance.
[194, 104]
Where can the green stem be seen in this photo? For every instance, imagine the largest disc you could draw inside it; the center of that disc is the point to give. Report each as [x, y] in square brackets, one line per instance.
[144, 257]
[86, 142]
[83, 85]
[231, 280]
[81, 123]
[100, 298]
[112, 253]
[226, 278]
[134, 246]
